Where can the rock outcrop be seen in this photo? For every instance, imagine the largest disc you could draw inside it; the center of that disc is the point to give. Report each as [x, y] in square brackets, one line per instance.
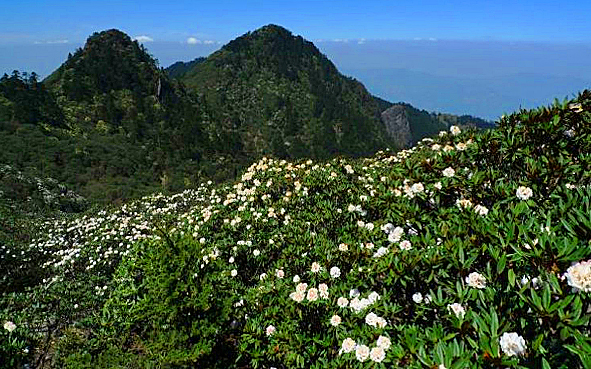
[397, 124]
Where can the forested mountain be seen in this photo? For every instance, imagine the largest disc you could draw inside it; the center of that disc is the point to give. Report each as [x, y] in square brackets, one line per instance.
[275, 93]
[111, 124]
[272, 76]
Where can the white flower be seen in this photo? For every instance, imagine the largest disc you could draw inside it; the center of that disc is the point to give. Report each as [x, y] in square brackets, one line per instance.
[323, 290]
[362, 352]
[463, 203]
[476, 280]
[354, 293]
[457, 309]
[301, 287]
[449, 172]
[395, 234]
[524, 193]
[270, 330]
[442, 133]
[417, 297]
[405, 245]
[335, 320]
[455, 130]
[436, 147]
[348, 345]
[381, 252]
[256, 252]
[369, 226]
[377, 354]
[234, 273]
[512, 344]
[389, 227]
[296, 278]
[343, 247]
[280, 273]
[342, 302]
[263, 276]
[441, 366]
[371, 319]
[335, 272]
[297, 296]
[231, 260]
[383, 342]
[578, 276]
[315, 267]
[417, 188]
[481, 210]
[312, 294]
[438, 185]
[373, 297]
[9, 326]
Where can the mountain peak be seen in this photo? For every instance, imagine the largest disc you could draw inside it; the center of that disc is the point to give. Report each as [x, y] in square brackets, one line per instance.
[110, 60]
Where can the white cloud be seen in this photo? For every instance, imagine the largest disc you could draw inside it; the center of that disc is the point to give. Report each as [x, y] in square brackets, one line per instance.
[208, 42]
[143, 38]
[340, 40]
[361, 41]
[432, 39]
[193, 41]
[51, 42]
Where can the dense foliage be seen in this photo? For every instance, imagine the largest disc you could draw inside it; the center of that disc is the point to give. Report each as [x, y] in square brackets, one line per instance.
[23, 99]
[469, 250]
[112, 125]
[179, 68]
[272, 93]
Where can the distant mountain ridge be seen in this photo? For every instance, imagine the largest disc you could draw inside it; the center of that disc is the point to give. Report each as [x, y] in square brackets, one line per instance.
[111, 124]
[179, 68]
[286, 58]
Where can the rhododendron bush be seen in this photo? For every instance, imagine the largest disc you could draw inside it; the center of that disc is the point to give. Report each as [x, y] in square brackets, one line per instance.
[471, 249]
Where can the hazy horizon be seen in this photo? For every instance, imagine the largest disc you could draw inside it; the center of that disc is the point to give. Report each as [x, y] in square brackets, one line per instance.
[481, 58]
[480, 78]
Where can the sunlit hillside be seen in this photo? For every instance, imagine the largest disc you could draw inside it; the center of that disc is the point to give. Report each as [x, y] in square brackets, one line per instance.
[471, 249]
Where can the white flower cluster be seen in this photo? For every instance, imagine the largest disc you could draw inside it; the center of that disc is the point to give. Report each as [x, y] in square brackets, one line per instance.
[449, 172]
[9, 326]
[377, 354]
[578, 276]
[394, 233]
[356, 208]
[358, 305]
[476, 280]
[512, 344]
[375, 321]
[524, 193]
[419, 298]
[457, 309]
[270, 330]
[313, 294]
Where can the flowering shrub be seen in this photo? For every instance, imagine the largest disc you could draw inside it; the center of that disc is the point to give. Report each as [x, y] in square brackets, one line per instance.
[388, 261]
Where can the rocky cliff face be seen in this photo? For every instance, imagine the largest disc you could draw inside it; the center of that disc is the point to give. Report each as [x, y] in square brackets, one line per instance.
[397, 124]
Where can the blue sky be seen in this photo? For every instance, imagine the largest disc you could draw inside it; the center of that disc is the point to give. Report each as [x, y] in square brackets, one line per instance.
[221, 20]
[478, 57]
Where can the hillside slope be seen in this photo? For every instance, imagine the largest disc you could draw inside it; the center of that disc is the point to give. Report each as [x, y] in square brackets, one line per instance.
[275, 93]
[468, 250]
